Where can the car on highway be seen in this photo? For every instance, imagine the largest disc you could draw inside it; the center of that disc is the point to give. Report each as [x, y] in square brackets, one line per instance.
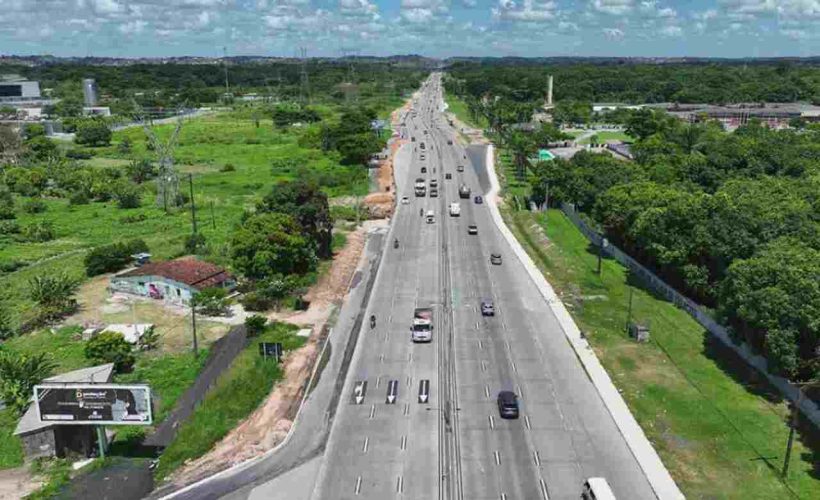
[405, 200]
[460, 168]
[448, 176]
[472, 229]
[487, 308]
[423, 170]
[431, 217]
[495, 259]
[413, 139]
[507, 404]
[455, 209]
[433, 193]
[449, 142]
[478, 200]
[433, 183]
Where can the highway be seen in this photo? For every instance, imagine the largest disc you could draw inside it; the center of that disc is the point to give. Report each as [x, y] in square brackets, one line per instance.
[386, 440]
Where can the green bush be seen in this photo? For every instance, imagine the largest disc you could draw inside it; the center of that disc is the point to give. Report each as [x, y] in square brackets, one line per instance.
[127, 194]
[19, 373]
[79, 197]
[39, 232]
[110, 347]
[255, 301]
[255, 324]
[211, 301]
[54, 294]
[93, 133]
[228, 167]
[34, 206]
[194, 243]
[6, 203]
[9, 227]
[110, 258]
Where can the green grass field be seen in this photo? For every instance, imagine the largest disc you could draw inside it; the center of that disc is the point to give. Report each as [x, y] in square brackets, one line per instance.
[718, 428]
[605, 135]
[457, 106]
[237, 393]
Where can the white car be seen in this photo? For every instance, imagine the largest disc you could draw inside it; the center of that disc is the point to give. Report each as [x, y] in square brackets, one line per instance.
[455, 209]
[405, 200]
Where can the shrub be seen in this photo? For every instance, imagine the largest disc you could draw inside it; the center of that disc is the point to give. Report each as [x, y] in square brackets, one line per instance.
[79, 154]
[194, 243]
[124, 147]
[130, 219]
[19, 373]
[255, 324]
[127, 194]
[39, 232]
[140, 171]
[79, 198]
[255, 301]
[54, 294]
[211, 301]
[34, 206]
[9, 227]
[228, 167]
[93, 133]
[110, 347]
[149, 339]
[11, 266]
[6, 327]
[109, 258]
[6, 203]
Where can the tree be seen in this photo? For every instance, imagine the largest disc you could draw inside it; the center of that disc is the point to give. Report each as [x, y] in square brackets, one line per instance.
[53, 293]
[270, 243]
[113, 257]
[6, 203]
[356, 149]
[772, 300]
[255, 324]
[41, 148]
[110, 347]
[93, 133]
[308, 204]
[211, 301]
[140, 171]
[10, 144]
[124, 147]
[126, 193]
[19, 373]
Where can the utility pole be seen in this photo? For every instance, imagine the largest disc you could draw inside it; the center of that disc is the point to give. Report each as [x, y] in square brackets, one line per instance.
[629, 310]
[793, 423]
[193, 225]
[225, 66]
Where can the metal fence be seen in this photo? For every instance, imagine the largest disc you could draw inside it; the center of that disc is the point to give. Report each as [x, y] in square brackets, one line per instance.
[808, 407]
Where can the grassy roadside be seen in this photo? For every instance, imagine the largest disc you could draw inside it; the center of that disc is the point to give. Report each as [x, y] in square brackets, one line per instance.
[237, 393]
[458, 107]
[716, 425]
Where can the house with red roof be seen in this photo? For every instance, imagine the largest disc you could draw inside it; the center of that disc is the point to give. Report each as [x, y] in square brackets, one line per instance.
[174, 281]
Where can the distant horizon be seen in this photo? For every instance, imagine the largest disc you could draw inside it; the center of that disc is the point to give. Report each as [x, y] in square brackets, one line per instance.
[438, 28]
[399, 55]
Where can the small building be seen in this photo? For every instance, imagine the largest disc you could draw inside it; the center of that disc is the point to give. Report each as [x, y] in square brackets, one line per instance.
[173, 281]
[45, 439]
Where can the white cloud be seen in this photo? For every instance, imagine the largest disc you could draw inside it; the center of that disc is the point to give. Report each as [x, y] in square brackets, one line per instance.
[754, 7]
[671, 31]
[614, 34]
[357, 7]
[132, 27]
[525, 10]
[613, 7]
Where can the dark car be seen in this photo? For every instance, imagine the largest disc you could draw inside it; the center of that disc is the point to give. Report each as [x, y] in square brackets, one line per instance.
[479, 200]
[448, 176]
[460, 168]
[495, 259]
[449, 142]
[508, 404]
[487, 308]
[423, 170]
[433, 193]
[413, 139]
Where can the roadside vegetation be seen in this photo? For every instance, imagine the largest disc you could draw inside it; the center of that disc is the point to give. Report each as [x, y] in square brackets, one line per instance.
[237, 392]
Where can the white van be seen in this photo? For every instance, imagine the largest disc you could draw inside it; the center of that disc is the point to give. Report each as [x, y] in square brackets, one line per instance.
[455, 209]
[596, 488]
[431, 218]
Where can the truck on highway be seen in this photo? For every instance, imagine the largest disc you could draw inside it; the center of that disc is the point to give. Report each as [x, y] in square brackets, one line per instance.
[464, 191]
[455, 209]
[422, 329]
[420, 187]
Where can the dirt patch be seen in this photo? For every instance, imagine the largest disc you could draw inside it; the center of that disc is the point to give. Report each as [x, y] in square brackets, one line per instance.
[269, 424]
[99, 307]
[17, 483]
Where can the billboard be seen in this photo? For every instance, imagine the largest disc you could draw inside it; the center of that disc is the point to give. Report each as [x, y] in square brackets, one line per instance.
[101, 404]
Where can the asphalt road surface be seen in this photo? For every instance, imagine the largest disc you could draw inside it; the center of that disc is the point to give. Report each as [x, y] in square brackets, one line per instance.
[388, 440]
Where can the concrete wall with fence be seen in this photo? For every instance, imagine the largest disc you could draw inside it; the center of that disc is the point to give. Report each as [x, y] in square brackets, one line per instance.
[808, 407]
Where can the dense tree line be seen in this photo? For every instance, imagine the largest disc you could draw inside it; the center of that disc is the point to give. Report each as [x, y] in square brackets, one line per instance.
[175, 84]
[733, 220]
[525, 81]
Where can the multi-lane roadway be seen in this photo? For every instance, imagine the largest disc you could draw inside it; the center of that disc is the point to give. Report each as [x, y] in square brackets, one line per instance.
[420, 421]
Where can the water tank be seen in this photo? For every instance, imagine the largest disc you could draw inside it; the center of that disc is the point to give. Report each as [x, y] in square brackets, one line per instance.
[89, 92]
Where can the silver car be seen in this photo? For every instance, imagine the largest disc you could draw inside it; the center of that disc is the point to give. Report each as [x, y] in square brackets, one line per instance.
[487, 308]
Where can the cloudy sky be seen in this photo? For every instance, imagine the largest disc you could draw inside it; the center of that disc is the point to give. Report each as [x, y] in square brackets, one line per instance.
[440, 28]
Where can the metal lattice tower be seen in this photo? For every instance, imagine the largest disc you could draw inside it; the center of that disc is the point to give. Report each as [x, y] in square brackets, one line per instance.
[304, 84]
[225, 65]
[167, 176]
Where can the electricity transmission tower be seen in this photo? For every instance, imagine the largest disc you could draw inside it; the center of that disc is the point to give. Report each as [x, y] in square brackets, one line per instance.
[304, 84]
[349, 87]
[167, 177]
[225, 66]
